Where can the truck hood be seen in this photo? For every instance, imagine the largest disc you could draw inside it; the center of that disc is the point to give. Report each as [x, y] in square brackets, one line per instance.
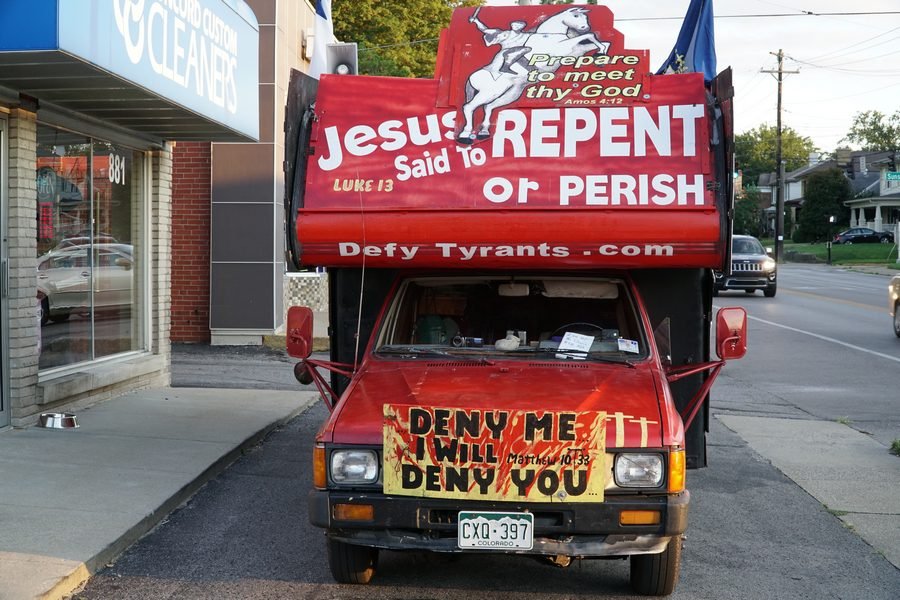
[628, 395]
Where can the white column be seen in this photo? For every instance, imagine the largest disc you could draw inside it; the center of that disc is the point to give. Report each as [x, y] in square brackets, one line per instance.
[23, 328]
[853, 220]
[878, 222]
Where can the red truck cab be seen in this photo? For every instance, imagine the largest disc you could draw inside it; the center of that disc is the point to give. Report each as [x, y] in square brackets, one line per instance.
[520, 298]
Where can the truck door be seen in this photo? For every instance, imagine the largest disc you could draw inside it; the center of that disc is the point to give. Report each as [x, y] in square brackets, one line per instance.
[344, 313]
[685, 297]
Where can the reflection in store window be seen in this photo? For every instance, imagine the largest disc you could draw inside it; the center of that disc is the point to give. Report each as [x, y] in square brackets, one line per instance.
[89, 198]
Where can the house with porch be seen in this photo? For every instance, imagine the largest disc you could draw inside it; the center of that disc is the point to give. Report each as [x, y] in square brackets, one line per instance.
[877, 205]
[873, 178]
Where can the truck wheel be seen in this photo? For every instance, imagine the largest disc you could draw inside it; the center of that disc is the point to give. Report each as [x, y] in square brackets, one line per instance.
[897, 319]
[769, 292]
[657, 574]
[351, 564]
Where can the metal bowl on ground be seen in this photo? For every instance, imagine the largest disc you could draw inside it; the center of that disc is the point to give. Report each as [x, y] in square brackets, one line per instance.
[58, 421]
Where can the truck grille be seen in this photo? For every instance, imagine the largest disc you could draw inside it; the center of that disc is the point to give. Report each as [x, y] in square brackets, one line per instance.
[438, 516]
[746, 267]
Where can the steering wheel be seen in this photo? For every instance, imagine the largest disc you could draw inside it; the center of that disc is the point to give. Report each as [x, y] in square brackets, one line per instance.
[578, 328]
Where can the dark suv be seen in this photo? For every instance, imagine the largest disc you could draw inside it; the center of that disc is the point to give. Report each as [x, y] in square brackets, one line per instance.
[751, 268]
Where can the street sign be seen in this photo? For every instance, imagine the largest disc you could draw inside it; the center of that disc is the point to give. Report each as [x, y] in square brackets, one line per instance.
[892, 176]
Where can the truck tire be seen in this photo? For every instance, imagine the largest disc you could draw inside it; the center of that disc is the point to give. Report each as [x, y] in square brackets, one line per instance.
[897, 319]
[351, 564]
[769, 292]
[657, 574]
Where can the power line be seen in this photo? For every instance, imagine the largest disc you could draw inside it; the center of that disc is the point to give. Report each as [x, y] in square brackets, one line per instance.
[832, 53]
[412, 43]
[859, 60]
[843, 70]
[805, 13]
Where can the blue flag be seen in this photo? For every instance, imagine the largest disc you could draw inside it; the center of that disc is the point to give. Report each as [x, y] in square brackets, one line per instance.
[323, 35]
[695, 50]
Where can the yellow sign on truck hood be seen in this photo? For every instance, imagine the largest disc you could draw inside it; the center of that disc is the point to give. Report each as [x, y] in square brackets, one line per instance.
[492, 454]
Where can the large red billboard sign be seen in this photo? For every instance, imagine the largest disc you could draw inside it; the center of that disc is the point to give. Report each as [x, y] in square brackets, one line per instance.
[541, 137]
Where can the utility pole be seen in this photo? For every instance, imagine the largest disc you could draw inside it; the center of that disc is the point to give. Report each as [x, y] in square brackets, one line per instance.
[779, 162]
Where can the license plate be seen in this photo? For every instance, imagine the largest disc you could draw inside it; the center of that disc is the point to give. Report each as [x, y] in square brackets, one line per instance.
[496, 530]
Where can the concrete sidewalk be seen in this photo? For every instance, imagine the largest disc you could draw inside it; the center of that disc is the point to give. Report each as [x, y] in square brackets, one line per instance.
[73, 500]
[851, 474]
[871, 269]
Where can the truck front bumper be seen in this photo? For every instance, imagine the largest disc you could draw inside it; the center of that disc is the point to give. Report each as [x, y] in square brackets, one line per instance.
[578, 530]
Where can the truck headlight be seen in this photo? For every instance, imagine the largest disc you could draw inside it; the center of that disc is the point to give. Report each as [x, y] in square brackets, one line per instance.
[354, 466]
[769, 265]
[639, 470]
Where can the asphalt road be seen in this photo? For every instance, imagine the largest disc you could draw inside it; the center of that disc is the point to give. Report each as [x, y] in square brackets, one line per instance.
[823, 347]
[753, 533]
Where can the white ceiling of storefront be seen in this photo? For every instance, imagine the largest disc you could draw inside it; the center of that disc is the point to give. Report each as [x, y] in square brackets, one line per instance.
[68, 82]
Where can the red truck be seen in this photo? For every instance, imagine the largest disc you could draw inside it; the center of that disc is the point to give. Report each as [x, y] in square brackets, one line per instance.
[519, 255]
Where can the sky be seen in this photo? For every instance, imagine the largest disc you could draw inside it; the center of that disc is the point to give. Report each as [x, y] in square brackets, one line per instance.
[847, 63]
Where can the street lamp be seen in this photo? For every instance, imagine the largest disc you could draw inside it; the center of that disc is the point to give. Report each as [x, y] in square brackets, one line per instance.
[828, 242]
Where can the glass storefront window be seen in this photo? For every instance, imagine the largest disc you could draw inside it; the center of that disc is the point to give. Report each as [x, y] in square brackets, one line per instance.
[90, 197]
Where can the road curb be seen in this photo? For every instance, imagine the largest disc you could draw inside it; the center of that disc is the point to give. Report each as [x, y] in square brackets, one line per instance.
[74, 581]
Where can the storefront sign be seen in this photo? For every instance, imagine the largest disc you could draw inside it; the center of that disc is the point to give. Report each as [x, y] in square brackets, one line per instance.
[199, 54]
[511, 455]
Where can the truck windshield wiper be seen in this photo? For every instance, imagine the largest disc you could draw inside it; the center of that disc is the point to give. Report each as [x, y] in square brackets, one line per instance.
[429, 351]
[594, 356]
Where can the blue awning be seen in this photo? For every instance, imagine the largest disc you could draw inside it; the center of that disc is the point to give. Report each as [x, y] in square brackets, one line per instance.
[163, 69]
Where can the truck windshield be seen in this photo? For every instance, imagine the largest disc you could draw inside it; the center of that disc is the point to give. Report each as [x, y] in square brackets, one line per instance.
[545, 318]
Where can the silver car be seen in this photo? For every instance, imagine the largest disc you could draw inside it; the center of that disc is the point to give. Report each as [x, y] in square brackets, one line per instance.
[64, 280]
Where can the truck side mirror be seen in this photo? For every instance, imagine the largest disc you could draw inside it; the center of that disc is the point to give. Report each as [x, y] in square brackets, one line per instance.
[731, 333]
[299, 331]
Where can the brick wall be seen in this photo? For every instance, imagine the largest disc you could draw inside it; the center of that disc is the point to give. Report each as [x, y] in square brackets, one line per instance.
[190, 242]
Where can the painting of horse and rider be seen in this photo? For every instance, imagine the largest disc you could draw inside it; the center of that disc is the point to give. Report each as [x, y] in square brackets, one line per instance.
[516, 63]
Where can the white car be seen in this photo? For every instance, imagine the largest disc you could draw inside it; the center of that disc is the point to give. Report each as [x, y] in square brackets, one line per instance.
[64, 276]
[894, 302]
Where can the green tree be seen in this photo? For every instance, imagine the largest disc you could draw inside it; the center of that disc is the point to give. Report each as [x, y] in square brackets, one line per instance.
[747, 213]
[874, 131]
[395, 38]
[824, 196]
[755, 150]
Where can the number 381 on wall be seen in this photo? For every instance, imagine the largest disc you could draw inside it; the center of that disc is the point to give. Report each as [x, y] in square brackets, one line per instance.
[117, 169]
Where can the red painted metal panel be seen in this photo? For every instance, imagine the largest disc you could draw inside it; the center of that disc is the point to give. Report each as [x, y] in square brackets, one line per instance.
[564, 181]
[634, 422]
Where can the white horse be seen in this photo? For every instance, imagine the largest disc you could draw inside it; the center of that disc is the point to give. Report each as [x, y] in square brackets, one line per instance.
[503, 80]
